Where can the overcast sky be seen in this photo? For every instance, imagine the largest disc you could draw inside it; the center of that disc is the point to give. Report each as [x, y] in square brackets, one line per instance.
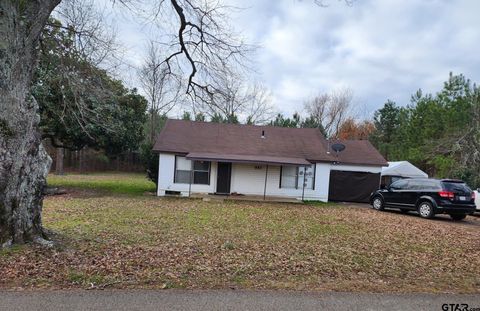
[380, 49]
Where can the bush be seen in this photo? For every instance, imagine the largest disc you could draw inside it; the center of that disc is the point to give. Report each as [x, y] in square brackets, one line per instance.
[469, 176]
[150, 161]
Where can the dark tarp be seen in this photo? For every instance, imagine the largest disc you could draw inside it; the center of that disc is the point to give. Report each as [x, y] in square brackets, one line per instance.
[349, 186]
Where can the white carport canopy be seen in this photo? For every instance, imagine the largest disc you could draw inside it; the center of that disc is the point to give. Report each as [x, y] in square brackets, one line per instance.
[403, 169]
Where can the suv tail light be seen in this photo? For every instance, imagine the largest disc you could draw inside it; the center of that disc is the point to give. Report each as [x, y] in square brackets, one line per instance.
[447, 194]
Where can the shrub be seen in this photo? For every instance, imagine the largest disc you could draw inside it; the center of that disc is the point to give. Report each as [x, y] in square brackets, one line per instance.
[150, 161]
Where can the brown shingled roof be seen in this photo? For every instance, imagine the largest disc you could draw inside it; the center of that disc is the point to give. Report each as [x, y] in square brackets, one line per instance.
[226, 140]
[359, 152]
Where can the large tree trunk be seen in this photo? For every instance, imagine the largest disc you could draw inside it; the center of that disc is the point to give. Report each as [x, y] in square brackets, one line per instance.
[24, 163]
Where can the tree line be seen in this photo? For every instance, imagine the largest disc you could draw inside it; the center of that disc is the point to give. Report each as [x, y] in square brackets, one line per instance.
[439, 133]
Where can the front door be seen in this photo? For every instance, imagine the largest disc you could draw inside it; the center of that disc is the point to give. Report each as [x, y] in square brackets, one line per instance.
[224, 174]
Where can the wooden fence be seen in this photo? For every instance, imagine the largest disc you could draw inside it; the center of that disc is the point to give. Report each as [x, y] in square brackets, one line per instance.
[90, 160]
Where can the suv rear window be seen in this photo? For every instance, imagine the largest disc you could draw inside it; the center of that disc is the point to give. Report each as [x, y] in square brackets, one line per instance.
[424, 184]
[456, 186]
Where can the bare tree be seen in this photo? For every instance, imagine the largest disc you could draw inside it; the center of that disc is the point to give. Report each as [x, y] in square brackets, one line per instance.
[205, 48]
[162, 93]
[234, 98]
[339, 108]
[95, 39]
[330, 110]
[228, 100]
[259, 108]
[317, 108]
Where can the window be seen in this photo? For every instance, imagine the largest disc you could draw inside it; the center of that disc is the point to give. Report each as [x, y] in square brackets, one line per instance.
[183, 167]
[288, 177]
[422, 185]
[201, 173]
[456, 186]
[399, 185]
[388, 180]
[432, 185]
[415, 185]
[182, 170]
[293, 177]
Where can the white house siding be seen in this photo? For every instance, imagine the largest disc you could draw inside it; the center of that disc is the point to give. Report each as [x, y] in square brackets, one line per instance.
[249, 179]
[246, 179]
[322, 180]
[166, 169]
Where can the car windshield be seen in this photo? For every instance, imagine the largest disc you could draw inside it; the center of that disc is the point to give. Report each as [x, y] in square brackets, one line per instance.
[456, 186]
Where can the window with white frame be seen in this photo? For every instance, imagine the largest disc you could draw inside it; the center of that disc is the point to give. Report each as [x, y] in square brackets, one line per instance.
[200, 173]
[289, 177]
[293, 177]
[182, 170]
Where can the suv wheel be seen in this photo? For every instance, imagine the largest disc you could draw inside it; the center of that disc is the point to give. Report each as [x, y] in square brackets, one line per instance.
[458, 216]
[425, 209]
[377, 204]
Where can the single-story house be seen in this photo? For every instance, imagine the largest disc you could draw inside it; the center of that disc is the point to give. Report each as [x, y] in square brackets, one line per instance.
[399, 170]
[214, 158]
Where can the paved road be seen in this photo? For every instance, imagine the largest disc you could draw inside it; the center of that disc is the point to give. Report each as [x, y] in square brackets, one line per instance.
[224, 300]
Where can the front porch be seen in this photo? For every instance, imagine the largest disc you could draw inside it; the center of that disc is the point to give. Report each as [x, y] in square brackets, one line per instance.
[287, 180]
[237, 197]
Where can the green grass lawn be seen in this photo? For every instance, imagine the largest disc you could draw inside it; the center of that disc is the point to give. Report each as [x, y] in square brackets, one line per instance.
[141, 241]
[113, 183]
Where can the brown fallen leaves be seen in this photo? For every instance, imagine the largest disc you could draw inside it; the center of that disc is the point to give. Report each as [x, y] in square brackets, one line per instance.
[149, 242]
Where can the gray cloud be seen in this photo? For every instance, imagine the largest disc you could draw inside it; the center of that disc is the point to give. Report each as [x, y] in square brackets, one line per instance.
[380, 49]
